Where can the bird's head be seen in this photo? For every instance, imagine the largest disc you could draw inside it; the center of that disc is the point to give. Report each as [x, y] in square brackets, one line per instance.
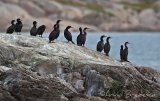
[58, 21]
[12, 22]
[121, 46]
[34, 22]
[80, 29]
[127, 43]
[43, 26]
[86, 28]
[108, 38]
[68, 27]
[102, 37]
[18, 19]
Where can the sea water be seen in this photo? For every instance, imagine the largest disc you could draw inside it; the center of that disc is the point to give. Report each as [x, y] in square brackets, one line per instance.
[144, 49]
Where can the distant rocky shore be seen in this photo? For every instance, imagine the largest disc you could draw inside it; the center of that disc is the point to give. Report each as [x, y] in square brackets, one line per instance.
[99, 15]
[31, 69]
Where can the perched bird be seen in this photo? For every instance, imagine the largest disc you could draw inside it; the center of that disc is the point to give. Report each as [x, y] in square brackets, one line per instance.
[53, 34]
[67, 34]
[107, 46]
[11, 28]
[100, 44]
[57, 29]
[121, 53]
[33, 31]
[18, 26]
[79, 37]
[125, 52]
[40, 30]
[84, 36]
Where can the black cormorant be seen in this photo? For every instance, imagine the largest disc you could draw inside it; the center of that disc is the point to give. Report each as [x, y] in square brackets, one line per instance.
[100, 44]
[33, 31]
[40, 30]
[53, 34]
[125, 52]
[57, 29]
[107, 46]
[79, 37]
[121, 53]
[11, 28]
[84, 36]
[67, 34]
[18, 26]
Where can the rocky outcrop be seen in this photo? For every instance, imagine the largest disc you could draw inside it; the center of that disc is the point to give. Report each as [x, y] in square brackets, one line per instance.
[110, 15]
[32, 8]
[151, 17]
[32, 69]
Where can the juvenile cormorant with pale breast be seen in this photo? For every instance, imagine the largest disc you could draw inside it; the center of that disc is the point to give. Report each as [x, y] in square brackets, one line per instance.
[107, 46]
[11, 28]
[68, 34]
[100, 44]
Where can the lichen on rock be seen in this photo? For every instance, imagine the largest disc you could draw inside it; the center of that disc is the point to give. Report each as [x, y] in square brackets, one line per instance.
[32, 69]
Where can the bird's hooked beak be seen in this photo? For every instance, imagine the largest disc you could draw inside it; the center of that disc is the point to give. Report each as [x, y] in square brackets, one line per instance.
[103, 36]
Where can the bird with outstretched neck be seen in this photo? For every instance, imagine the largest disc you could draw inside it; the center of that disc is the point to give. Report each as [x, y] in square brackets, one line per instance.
[55, 33]
[33, 31]
[79, 37]
[107, 46]
[40, 30]
[67, 34]
[125, 52]
[18, 26]
[84, 36]
[57, 29]
[121, 53]
[100, 44]
[11, 28]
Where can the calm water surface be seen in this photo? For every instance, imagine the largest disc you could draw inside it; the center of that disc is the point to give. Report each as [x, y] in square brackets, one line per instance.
[143, 50]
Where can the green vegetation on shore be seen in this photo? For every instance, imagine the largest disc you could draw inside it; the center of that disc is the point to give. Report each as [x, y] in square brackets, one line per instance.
[91, 6]
[140, 6]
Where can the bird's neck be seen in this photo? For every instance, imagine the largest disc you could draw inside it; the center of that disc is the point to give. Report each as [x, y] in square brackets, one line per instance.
[57, 26]
[81, 32]
[66, 29]
[101, 38]
[84, 32]
[107, 40]
[125, 46]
